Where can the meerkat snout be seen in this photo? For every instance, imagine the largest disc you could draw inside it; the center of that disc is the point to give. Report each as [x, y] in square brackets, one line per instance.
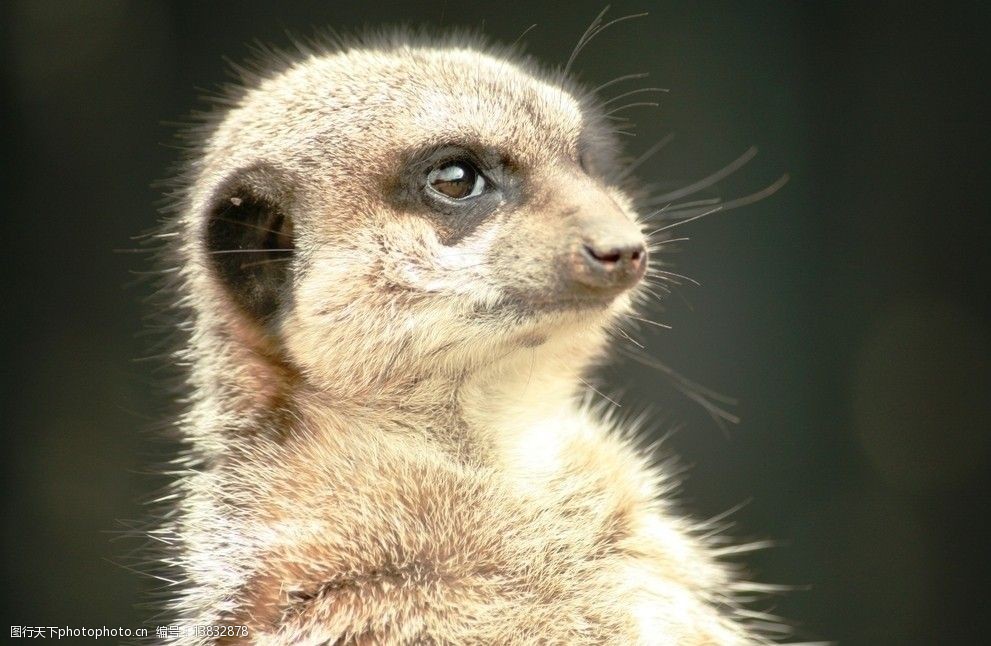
[610, 265]
[609, 254]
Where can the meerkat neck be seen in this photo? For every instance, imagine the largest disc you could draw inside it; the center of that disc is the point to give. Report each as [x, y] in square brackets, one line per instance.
[470, 415]
[478, 402]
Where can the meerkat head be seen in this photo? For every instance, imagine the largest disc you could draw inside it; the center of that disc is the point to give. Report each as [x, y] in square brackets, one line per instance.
[400, 208]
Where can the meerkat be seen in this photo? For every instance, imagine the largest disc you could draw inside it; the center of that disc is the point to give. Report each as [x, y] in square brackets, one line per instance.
[398, 260]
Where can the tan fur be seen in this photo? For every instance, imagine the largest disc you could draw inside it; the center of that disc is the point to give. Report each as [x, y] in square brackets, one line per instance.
[397, 459]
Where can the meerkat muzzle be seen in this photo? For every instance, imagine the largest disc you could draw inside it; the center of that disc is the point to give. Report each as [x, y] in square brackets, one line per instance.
[610, 266]
[609, 256]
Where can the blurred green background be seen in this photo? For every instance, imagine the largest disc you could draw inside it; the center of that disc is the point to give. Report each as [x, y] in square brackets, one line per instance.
[849, 314]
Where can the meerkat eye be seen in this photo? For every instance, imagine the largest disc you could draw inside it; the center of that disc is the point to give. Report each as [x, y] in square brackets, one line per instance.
[457, 180]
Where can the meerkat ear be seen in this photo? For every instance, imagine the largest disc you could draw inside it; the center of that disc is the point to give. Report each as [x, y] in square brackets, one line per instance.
[249, 240]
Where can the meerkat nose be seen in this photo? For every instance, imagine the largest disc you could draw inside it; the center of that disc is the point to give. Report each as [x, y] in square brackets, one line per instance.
[604, 264]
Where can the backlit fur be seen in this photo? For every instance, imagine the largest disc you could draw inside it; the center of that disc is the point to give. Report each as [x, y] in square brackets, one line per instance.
[401, 452]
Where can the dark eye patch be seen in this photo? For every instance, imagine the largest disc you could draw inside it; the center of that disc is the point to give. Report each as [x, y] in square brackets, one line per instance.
[441, 183]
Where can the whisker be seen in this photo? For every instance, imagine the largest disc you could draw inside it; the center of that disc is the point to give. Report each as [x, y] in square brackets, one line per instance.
[631, 339]
[587, 35]
[674, 208]
[669, 281]
[632, 105]
[770, 190]
[648, 321]
[594, 30]
[651, 291]
[620, 79]
[706, 182]
[685, 221]
[631, 93]
[264, 262]
[521, 36]
[671, 273]
[712, 394]
[697, 393]
[650, 152]
[773, 188]
[226, 251]
[251, 226]
[661, 243]
[600, 394]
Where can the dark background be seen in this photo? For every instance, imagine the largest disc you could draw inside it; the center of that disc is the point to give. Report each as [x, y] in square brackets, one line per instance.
[849, 314]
